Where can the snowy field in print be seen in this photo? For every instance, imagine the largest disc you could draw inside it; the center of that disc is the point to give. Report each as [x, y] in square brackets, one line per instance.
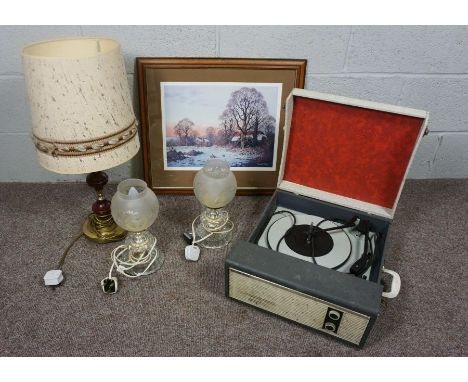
[237, 122]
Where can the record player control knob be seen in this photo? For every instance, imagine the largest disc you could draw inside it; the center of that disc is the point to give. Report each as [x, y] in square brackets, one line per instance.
[330, 326]
[334, 315]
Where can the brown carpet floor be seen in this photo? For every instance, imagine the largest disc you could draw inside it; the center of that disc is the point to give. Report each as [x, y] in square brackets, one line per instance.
[182, 310]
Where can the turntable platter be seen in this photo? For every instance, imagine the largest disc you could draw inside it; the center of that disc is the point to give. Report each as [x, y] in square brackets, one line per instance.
[336, 249]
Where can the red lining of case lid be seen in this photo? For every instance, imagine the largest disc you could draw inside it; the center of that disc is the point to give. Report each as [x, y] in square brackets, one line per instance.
[350, 151]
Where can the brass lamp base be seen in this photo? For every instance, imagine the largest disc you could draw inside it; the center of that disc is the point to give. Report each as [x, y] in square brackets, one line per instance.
[99, 226]
[102, 229]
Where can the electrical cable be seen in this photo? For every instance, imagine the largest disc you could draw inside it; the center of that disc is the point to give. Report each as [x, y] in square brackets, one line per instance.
[218, 230]
[215, 224]
[371, 252]
[67, 250]
[268, 231]
[123, 267]
[362, 265]
[54, 277]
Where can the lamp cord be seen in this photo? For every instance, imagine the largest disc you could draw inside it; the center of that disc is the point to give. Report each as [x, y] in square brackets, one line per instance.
[122, 266]
[67, 250]
[218, 230]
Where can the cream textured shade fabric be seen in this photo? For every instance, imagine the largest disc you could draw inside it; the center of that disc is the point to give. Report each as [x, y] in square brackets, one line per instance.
[81, 109]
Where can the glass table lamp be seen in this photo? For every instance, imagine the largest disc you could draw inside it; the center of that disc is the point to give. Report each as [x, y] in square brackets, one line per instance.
[215, 186]
[135, 207]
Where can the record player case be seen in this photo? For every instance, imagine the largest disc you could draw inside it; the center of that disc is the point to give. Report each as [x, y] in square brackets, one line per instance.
[342, 157]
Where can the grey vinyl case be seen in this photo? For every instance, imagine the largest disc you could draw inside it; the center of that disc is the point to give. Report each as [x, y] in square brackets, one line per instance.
[338, 304]
[336, 291]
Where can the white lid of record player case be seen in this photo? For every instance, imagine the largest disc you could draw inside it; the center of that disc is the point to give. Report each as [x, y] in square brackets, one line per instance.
[348, 152]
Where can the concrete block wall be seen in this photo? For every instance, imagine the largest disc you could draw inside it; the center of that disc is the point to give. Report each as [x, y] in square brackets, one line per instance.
[424, 67]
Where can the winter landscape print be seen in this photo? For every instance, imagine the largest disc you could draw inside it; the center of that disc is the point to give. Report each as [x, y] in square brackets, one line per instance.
[237, 122]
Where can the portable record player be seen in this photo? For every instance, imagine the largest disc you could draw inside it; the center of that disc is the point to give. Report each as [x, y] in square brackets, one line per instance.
[316, 256]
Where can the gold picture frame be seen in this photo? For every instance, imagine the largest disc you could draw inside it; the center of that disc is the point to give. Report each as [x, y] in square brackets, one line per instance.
[158, 77]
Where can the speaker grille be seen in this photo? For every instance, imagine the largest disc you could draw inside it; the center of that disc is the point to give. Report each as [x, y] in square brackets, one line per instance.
[294, 305]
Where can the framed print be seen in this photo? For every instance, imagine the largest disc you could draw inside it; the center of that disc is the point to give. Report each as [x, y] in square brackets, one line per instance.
[195, 109]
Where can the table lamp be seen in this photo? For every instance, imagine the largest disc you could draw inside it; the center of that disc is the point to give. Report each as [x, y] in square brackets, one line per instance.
[135, 208]
[214, 186]
[82, 116]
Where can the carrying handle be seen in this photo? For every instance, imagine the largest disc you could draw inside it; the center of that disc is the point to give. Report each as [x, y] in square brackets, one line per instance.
[396, 284]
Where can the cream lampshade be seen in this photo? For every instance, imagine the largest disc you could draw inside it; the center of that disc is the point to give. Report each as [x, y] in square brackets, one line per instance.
[81, 109]
[82, 116]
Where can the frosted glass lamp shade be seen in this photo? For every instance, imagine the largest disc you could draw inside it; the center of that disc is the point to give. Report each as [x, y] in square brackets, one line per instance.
[82, 114]
[215, 185]
[135, 207]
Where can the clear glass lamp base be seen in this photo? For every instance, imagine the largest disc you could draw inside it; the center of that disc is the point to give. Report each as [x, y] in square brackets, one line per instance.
[141, 250]
[214, 224]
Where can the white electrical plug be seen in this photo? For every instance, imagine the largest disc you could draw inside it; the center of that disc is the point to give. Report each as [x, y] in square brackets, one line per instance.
[53, 277]
[192, 252]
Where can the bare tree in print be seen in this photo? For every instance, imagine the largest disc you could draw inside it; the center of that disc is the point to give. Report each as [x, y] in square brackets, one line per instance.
[182, 129]
[245, 110]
